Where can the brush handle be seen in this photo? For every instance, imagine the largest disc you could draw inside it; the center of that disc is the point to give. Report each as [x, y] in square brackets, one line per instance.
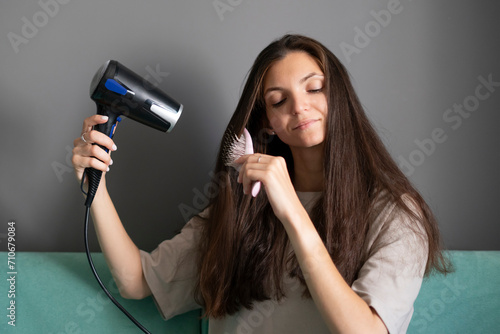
[256, 188]
[249, 150]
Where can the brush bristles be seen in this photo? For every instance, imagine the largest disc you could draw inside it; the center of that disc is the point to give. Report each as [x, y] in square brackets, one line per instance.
[233, 148]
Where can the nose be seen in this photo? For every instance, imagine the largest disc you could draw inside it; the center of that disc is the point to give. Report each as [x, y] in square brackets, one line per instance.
[300, 103]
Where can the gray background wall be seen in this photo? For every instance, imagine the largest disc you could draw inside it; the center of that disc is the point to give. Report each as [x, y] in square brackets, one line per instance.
[412, 71]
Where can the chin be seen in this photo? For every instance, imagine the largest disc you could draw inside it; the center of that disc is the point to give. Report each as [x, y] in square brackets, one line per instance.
[315, 139]
[308, 143]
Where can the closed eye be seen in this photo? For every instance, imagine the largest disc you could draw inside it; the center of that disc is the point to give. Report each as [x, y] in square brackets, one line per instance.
[277, 104]
[319, 90]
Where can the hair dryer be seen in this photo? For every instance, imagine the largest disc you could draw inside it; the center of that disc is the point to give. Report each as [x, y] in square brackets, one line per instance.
[118, 91]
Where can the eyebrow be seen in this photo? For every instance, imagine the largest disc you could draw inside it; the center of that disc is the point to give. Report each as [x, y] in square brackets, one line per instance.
[304, 79]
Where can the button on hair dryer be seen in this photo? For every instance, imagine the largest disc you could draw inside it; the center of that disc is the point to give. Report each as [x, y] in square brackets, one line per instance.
[118, 91]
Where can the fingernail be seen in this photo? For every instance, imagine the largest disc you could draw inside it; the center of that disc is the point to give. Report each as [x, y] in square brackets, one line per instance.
[111, 162]
[114, 148]
[104, 118]
[107, 170]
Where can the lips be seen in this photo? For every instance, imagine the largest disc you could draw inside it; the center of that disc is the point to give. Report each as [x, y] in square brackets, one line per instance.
[304, 124]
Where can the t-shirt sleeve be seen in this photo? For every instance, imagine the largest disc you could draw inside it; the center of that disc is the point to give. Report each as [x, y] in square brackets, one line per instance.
[391, 277]
[171, 271]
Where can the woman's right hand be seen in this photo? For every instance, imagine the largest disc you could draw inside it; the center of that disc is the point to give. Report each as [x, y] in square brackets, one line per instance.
[87, 155]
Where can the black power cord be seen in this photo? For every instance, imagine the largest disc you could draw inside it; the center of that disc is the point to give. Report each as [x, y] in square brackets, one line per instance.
[87, 250]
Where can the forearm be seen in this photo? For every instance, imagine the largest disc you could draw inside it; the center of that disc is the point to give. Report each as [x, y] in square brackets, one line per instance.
[342, 309]
[120, 252]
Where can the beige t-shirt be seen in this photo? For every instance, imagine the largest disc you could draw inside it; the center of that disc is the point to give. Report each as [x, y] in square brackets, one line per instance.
[389, 280]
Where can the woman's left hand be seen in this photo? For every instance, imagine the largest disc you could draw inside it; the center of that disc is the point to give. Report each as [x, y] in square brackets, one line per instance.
[273, 174]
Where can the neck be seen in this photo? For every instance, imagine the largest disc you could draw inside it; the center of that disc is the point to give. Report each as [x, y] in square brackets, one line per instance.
[308, 168]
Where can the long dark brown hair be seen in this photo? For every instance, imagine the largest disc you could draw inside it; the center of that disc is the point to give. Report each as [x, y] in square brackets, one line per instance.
[244, 250]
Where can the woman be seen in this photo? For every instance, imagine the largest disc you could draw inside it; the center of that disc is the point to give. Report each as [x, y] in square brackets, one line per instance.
[338, 241]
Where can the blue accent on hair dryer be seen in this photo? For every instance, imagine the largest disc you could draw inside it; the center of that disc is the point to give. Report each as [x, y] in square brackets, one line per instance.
[114, 86]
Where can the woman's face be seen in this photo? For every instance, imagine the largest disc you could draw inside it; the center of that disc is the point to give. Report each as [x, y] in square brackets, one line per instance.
[296, 106]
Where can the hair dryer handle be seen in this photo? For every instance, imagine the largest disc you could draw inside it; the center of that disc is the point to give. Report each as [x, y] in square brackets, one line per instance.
[108, 128]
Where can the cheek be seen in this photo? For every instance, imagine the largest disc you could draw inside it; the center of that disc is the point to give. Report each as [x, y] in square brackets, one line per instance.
[271, 118]
[276, 123]
[322, 104]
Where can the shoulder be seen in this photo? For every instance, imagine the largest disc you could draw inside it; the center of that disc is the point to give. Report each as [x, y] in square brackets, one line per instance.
[402, 212]
[397, 225]
[186, 241]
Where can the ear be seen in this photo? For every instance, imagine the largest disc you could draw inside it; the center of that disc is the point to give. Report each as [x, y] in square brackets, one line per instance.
[266, 126]
[270, 131]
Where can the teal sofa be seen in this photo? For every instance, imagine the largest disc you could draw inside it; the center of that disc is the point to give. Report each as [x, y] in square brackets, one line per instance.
[56, 293]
